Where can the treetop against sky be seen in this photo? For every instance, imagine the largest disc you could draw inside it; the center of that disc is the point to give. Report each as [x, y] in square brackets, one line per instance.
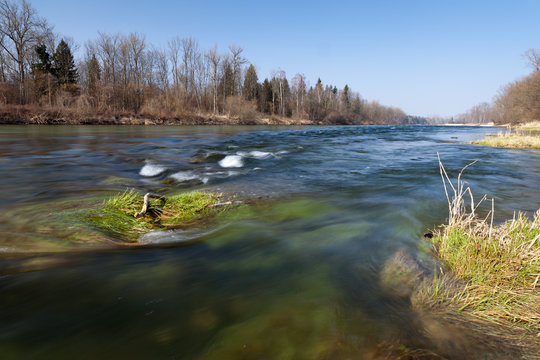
[426, 57]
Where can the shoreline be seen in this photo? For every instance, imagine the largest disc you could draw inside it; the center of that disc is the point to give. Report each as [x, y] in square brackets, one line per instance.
[66, 117]
[491, 124]
[510, 140]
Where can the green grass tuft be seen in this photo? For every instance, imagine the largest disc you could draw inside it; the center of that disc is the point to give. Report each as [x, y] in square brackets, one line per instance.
[501, 271]
[115, 216]
[490, 275]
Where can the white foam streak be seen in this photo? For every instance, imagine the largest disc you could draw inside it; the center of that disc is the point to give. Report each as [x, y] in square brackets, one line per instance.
[260, 154]
[184, 176]
[231, 161]
[151, 170]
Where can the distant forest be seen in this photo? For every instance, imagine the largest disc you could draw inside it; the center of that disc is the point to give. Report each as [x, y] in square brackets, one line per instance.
[124, 74]
[517, 102]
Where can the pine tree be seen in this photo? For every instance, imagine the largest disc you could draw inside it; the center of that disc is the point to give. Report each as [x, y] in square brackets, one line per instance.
[346, 96]
[44, 65]
[94, 75]
[226, 85]
[265, 97]
[64, 65]
[250, 83]
[44, 81]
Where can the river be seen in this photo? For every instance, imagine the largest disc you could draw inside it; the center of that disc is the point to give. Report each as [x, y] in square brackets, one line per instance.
[297, 277]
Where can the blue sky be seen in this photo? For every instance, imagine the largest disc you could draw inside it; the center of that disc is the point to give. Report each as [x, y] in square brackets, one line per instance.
[426, 57]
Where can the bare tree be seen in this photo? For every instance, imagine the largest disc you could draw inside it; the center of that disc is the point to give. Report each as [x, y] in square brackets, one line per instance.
[214, 60]
[189, 55]
[299, 90]
[280, 77]
[107, 48]
[533, 58]
[174, 47]
[237, 60]
[185, 61]
[21, 30]
[3, 61]
[161, 68]
[137, 48]
[200, 80]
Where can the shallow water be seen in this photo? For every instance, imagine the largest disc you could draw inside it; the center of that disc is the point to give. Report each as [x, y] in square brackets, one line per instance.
[296, 277]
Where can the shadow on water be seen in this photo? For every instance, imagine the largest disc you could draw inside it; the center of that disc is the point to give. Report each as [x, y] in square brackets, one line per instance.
[298, 276]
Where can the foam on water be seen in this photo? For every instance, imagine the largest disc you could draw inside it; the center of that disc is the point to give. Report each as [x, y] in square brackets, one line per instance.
[255, 154]
[260, 154]
[150, 169]
[231, 161]
[185, 176]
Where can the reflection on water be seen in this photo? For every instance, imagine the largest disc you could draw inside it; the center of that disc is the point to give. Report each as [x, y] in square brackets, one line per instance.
[296, 276]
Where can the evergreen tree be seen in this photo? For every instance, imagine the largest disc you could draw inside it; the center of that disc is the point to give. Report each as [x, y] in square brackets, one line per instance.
[42, 71]
[265, 97]
[94, 75]
[44, 65]
[346, 96]
[64, 64]
[250, 83]
[226, 85]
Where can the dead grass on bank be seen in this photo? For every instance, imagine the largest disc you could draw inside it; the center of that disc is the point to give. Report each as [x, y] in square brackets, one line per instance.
[33, 114]
[510, 140]
[530, 126]
[491, 273]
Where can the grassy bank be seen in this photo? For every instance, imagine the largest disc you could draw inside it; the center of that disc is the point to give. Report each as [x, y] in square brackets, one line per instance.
[532, 126]
[499, 267]
[510, 140]
[490, 277]
[524, 136]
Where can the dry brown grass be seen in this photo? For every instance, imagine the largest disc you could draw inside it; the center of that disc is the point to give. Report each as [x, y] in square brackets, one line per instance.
[530, 126]
[514, 140]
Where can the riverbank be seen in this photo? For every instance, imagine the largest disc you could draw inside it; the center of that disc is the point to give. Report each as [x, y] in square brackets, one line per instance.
[490, 275]
[510, 140]
[531, 126]
[524, 136]
[33, 115]
[490, 280]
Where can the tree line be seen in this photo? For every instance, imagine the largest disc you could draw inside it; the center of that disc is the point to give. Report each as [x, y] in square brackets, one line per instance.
[517, 102]
[123, 73]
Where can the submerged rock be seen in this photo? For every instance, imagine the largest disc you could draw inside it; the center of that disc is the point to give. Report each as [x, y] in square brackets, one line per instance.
[401, 274]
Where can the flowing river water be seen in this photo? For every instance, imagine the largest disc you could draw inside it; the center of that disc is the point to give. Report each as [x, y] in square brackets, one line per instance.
[295, 277]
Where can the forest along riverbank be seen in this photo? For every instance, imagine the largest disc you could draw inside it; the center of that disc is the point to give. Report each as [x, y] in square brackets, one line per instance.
[298, 276]
[35, 115]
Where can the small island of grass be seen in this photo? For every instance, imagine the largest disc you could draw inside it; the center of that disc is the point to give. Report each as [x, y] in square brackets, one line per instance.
[116, 216]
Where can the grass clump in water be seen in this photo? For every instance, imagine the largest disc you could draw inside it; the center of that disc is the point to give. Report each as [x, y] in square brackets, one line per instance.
[510, 140]
[116, 217]
[500, 266]
[492, 273]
